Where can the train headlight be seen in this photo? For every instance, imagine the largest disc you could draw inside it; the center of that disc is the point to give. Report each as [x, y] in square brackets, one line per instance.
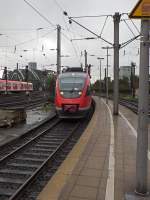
[61, 92]
[80, 92]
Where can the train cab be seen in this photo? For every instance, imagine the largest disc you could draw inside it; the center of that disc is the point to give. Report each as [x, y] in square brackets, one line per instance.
[73, 96]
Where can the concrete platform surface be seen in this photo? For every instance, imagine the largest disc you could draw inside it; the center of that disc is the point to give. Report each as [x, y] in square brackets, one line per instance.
[102, 164]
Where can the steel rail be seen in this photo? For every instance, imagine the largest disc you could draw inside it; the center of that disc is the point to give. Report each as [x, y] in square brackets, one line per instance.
[39, 160]
[50, 158]
[28, 142]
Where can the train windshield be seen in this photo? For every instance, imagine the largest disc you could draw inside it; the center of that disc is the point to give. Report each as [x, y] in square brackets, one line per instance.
[71, 83]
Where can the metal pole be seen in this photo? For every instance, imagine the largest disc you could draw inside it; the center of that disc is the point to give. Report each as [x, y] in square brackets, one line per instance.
[132, 79]
[116, 62]
[26, 77]
[99, 77]
[107, 79]
[17, 72]
[85, 54]
[58, 49]
[6, 78]
[100, 63]
[142, 138]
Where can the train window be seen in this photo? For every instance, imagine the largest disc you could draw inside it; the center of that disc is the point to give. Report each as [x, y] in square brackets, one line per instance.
[71, 83]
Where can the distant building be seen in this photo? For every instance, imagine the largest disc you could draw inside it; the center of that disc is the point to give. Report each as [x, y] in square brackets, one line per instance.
[32, 65]
[125, 71]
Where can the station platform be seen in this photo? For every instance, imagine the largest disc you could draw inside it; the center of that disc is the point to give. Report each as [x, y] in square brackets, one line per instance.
[102, 164]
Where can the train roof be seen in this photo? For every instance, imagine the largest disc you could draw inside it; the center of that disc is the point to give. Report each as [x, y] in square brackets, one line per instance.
[73, 74]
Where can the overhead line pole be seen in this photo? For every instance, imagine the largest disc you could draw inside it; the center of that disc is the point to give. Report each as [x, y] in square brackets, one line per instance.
[107, 85]
[142, 139]
[116, 18]
[100, 66]
[85, 55]
[58, 49]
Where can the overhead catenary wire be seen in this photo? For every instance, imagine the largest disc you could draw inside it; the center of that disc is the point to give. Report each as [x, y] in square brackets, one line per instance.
[39, 13]
[91, 16]
[26, 42]
[131, 20]
[135, 26]
[72, 46]
[129, 41]
[103, 26]
[133, 23]
[129, 28]
[70, 18]
[68, 29]
[61, 9]
[20, 29]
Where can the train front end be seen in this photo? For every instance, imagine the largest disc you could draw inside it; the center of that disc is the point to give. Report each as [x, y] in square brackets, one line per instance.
[73, 96]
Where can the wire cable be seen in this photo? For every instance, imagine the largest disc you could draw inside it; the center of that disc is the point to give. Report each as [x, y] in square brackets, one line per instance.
[129, 41]
[103, 26]
[133, 23]
[72, 46]
[69, 32]
[129, 28]
[90, 31]
[135, 26]
[40, 14]
[88, 16]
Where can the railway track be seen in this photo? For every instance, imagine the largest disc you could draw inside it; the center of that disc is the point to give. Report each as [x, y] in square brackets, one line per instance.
[132, 105]
[22, 100]
[20, 167]
[5, 149]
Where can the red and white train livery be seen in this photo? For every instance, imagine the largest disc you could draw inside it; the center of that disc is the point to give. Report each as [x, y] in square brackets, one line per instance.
[15, 86]
[73, 96]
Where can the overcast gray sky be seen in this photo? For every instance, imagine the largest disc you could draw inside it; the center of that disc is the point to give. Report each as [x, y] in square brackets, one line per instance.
[20, 26]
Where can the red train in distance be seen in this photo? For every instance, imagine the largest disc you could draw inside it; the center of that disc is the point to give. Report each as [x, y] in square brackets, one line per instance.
[15, 86]
[73, 96]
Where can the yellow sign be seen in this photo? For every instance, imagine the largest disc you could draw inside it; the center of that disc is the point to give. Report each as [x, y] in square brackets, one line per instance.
[141, 10]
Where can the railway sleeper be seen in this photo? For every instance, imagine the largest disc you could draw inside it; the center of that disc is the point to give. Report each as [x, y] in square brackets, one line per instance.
[35, 155]
[20, 166]
[42, 150]
[29, 161]
[14, 175]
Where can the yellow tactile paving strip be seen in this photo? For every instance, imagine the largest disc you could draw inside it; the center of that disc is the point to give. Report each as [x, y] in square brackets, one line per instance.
[53, 188]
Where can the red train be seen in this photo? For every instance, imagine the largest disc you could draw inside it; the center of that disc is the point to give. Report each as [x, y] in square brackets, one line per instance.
[15, 86]
[73, 96]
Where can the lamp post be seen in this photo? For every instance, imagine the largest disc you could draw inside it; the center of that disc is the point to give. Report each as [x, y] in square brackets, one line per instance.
[100, 64]
[107, 48]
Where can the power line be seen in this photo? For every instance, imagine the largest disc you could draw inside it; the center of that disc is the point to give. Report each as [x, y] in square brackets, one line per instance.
[135, 26]
[72, 46]
[91, 16]
[27, 41]
[58, 4]
[67, 28]
[70, 20]
[103, 26]
[129, 41]
[40, 14]
[129, 28]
